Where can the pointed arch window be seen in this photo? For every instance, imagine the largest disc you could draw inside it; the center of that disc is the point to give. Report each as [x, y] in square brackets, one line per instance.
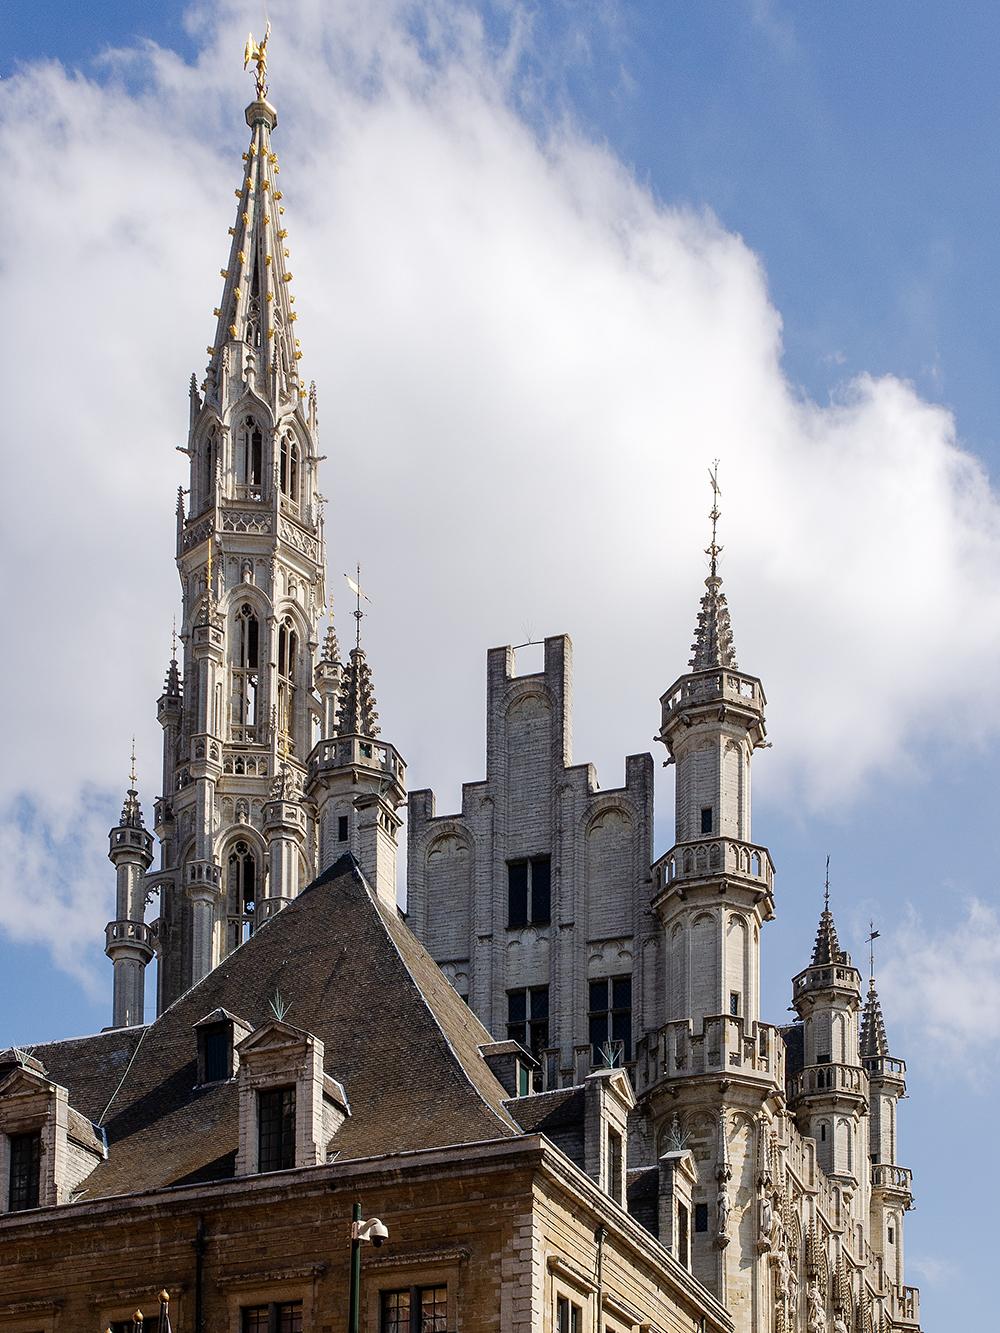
[288, 469]
[288, 645]
[241, 891]
[250, 457]
[245, 669]
[208, 470]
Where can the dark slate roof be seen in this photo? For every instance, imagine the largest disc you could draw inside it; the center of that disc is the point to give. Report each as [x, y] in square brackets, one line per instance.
[397, 1035]
[548, 1110]
[794, 1039]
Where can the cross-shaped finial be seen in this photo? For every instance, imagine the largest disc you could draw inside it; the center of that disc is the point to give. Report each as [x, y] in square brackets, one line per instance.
[714, 551]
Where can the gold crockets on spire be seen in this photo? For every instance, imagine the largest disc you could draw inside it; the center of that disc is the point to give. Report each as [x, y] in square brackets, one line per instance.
[713, 643]
[257, 308]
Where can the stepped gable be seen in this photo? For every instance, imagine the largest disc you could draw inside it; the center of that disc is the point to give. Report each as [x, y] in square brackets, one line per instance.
[397, 1035]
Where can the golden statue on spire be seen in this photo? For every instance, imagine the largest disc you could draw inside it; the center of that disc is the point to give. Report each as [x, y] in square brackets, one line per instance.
[258, 54]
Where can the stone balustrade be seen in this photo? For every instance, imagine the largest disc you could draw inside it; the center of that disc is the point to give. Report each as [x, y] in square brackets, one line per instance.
[723, 1045]
[344, 751]
[714, 856]
[128, 932]
[888, 1177]
[828, 1077]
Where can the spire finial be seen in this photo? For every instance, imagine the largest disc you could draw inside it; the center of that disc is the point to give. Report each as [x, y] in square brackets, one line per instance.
[132, 774]
[873, 936]
[826, 893]
[356, 589]
[257, 52]
[714, 551]
[173, 645]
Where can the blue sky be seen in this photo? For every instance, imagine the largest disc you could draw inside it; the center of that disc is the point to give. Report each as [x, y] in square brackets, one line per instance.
[852, 148]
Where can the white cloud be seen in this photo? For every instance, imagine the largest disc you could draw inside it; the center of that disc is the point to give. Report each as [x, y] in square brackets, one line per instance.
[524, 364]
[942, 987]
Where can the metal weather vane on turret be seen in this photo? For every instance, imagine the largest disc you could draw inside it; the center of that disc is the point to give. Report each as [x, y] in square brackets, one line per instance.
[713, 645]
[714, 551]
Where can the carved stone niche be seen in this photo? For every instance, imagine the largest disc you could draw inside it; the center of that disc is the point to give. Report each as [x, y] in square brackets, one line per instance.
[38, 1124]
[281, 1058]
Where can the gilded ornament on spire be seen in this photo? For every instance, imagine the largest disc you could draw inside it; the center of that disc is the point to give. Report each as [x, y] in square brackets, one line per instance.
[258, 54]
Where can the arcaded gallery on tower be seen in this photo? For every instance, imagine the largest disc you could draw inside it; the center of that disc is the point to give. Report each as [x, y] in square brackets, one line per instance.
[549, 1078]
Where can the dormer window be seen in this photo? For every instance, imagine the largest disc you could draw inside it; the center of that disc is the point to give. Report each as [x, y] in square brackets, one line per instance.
[218, 1035]
[25, 1171]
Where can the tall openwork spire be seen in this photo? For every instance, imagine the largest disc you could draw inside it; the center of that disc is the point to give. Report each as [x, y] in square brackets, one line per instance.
[713, 644]
[257, 304]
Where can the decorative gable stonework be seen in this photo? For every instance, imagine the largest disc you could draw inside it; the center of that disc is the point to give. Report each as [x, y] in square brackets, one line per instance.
[69, 1145]
[279, 1056]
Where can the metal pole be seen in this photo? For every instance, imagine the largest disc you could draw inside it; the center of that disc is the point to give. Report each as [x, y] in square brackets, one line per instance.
[199, 1251]
[599, 1235]
[352, 1318]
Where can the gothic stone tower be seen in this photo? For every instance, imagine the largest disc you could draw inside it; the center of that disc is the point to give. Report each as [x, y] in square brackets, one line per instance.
[713, 1068]
[251, 782]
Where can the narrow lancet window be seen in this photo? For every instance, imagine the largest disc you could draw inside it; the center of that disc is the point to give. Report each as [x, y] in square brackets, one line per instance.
[245, 675]
[287, 652]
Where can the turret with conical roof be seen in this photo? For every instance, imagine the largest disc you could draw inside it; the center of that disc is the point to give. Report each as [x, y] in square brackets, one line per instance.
[891, 1184]
[128, 940]
[356, 780]
[829, 1093]
[713, 891]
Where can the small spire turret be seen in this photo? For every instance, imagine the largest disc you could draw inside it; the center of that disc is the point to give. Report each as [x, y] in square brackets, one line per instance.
[873, 1041]
[713, 644]
[356, 706]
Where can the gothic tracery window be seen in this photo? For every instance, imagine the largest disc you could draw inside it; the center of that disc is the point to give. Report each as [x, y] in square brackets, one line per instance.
[241, 887]
[249, 454]
[245, 675]
[287, 652]
[288, 471]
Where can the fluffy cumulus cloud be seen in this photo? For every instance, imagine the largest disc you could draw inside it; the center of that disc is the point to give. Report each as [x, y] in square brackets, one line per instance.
[945, 986]
[525, 365]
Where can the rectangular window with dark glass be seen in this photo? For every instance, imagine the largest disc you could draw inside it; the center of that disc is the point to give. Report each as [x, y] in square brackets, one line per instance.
[529, 892]
[415, 1310]
[611, 1021]
[218, 1057]
[342, 828]
[276, 1129]
[682, 1234]
[701, 1217]
[706, 819]
[25, 1171]
[614, 1164]
[734, 1003]
[528, 1018]
[278, 1317]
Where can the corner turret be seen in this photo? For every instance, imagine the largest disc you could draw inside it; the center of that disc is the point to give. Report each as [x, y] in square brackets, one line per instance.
[356, 780]
[128, 939]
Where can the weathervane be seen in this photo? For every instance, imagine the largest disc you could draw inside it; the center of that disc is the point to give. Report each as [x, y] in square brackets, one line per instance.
[132, 774]
[871, 949]
[826, 907]
[356, 589]
[714, 551]
[258, 54]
